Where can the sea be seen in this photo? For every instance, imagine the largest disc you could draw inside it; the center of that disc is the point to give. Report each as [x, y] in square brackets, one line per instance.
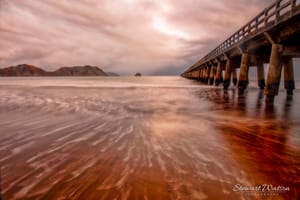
[145, 138]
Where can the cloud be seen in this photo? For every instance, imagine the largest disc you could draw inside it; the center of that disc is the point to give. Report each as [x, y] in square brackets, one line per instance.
[125, 36]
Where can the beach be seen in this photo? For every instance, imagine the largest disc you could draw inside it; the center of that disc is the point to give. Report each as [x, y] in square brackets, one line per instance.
[145, 138]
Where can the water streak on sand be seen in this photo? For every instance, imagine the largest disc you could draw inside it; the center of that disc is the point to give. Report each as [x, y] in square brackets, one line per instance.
[141, 142]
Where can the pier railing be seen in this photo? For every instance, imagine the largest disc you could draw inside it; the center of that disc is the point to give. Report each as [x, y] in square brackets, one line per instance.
[269, 17]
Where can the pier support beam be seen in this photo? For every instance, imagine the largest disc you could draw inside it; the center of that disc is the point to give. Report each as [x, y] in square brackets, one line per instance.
[212, 76]
[207, 74]
[274, 73]
[244, 69]
[289, 82]
[261, 75]
[200, 76]
[234, 77]
[227, 77]
[219, 77]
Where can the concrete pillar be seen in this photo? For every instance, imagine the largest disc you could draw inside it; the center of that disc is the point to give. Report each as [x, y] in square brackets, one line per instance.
[244, 69]
[207, 74]
[212, 76]
[234, 77]
[222, 79]
[200, 71]
[227, 77]
[274, 73]
[261, 75]
[218, 74]
[210, 68]
[289, 82]
[201, 74]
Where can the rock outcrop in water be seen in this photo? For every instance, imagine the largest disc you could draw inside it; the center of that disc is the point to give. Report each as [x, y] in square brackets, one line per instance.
[30, 70]
[138, 74]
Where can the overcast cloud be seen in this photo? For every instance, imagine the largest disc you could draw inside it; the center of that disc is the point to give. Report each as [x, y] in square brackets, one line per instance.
[123, 36]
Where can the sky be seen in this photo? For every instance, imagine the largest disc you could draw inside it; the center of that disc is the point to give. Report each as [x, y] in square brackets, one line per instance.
[154, 37]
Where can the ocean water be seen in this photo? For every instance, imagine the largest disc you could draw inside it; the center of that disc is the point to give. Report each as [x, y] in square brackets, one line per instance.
[145, 138]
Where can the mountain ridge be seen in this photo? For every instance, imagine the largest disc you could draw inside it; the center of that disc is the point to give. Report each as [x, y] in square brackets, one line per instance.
[31, 70]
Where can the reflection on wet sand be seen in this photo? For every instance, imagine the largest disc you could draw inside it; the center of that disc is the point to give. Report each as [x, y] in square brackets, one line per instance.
[153, 143]
[262, 143]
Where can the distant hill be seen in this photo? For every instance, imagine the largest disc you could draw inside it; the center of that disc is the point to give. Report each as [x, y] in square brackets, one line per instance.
[22, 70]
[30, 70]
[79, 71]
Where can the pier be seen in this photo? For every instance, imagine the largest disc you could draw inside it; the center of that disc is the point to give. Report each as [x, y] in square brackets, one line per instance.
[272, 37]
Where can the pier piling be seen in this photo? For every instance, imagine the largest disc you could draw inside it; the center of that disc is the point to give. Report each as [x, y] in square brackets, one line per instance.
[289, 82]
[219, 74]
[261, 75]
[274, 73]
[234, 76]
[212, 76]
[227, 77]
[244, 69]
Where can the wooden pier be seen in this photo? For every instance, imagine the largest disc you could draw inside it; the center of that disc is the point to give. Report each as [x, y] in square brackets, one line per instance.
[272, 37]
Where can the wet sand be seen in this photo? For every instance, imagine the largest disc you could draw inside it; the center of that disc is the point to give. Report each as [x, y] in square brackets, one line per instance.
[140, 142]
